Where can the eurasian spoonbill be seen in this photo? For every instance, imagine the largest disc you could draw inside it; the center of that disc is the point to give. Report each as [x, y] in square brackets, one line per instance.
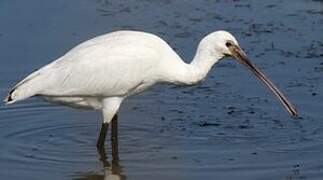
[101, 72]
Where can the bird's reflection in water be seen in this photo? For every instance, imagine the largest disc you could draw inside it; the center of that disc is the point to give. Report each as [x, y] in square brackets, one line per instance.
[113, 170]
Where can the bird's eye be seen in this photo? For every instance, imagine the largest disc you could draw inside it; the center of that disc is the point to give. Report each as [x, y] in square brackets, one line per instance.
[228, 44]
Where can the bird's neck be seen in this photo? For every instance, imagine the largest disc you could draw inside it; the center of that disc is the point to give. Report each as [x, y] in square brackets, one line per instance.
[201, 64]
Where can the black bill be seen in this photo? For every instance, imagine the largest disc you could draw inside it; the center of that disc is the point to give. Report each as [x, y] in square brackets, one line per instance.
[239, 54]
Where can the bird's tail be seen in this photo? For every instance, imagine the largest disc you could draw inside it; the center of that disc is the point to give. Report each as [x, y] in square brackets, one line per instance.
[24, 89]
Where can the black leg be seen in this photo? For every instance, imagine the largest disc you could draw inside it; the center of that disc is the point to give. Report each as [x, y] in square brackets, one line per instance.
[114, 168]
[104, 129]
[103, 134]
[114, 139]
[100, 144]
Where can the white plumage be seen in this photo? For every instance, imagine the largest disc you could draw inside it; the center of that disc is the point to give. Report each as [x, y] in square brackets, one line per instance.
[100, 73]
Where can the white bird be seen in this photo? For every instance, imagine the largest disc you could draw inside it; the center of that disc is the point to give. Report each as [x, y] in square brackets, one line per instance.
[101, 72]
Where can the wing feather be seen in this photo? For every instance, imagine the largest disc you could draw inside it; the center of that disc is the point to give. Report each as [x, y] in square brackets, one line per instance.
[101, 73]
[109, 65]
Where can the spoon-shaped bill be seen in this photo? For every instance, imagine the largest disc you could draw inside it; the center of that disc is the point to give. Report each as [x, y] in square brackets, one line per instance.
[239, 54]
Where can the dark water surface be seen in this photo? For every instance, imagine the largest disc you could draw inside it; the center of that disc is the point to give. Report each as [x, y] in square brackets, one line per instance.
[229, 127]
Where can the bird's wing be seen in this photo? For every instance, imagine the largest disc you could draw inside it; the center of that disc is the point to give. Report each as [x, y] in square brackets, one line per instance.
[109, 65]
[99, 71]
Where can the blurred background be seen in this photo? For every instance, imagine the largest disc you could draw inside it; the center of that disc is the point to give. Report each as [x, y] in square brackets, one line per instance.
[229, 127]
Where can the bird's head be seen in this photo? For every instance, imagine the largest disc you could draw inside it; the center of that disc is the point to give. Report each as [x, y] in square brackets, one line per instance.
[220, 44]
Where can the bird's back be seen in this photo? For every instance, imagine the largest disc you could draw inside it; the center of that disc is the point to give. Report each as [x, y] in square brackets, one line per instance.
[115, 64]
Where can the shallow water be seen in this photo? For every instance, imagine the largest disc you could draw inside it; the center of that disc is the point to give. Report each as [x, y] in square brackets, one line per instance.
[229, 127]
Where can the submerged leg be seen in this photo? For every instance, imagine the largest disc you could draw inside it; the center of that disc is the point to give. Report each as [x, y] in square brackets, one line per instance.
[114, 167]
[110, 108]
[103, 134]
[114, 139]
[104, 129]
[100, 144]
